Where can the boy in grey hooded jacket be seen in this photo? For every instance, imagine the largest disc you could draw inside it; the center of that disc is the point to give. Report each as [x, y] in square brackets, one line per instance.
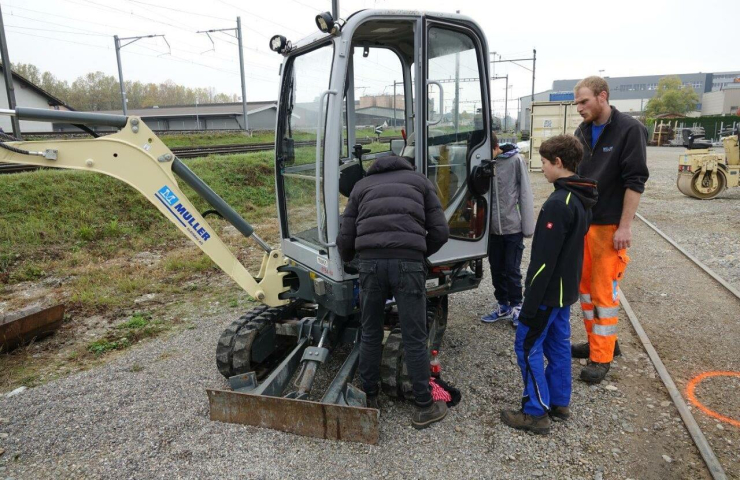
[512, 219]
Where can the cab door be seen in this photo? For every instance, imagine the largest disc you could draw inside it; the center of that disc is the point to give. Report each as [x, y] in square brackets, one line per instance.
[456, 130]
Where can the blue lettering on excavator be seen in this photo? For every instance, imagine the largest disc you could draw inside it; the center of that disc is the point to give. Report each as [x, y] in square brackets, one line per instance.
[169, 199]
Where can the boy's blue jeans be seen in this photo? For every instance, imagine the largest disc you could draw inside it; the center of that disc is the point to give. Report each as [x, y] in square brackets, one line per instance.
[545, 336]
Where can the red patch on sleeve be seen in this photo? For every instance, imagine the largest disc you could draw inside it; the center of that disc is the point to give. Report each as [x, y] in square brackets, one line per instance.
[549, 225]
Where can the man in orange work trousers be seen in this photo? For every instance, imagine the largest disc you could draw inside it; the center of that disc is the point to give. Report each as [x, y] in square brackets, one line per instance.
[615, 155]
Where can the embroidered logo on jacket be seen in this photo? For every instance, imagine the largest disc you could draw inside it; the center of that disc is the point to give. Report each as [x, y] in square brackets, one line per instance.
[608, 149]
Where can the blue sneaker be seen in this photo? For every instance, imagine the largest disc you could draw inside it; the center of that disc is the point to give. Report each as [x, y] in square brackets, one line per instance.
[499, 312]
[516, 310]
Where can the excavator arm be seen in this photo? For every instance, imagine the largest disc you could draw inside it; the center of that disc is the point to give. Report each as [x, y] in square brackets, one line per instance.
[137, 157]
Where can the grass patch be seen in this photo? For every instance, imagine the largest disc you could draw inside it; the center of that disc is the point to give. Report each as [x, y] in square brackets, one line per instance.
[104, 345]
[217, 138]
[27, 272]
[135, 329]
[188, 262]
[136, 368]
[137, 321]
[65, 208]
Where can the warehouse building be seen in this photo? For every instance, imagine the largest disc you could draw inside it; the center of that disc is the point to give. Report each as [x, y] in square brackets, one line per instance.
[631, 94]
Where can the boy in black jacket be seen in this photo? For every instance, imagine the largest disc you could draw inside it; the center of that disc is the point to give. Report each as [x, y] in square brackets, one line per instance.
[551, 288]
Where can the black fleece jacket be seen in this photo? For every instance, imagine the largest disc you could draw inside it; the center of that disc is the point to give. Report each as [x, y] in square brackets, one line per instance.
[393, 212]
[554, 271]
[617, 162]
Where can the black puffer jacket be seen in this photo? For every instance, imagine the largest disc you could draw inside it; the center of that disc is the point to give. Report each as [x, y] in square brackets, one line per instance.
[393, 212]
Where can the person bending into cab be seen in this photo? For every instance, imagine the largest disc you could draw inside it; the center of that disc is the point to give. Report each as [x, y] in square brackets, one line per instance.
[551, 287]
[393, 221]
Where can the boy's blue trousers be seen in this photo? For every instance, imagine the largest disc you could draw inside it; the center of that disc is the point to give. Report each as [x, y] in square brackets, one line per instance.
[545, 336]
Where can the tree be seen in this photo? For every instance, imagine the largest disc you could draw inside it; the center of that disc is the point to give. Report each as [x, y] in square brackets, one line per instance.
[27, 71]
[672, 96]
[98, 91]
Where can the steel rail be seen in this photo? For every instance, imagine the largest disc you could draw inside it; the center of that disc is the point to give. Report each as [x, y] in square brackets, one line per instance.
[695, 260]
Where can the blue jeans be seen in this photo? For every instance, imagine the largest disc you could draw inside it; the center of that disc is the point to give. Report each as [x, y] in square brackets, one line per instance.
[546, 335]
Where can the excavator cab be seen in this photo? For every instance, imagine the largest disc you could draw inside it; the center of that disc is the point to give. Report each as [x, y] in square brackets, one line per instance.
[424, 77]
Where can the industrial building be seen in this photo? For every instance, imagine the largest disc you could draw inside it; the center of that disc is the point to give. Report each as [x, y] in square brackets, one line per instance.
[631, 94]
[722, 102]
[28, 94]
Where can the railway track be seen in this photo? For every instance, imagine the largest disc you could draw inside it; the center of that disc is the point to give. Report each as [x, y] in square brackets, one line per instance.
[194, 152]
[700, 440]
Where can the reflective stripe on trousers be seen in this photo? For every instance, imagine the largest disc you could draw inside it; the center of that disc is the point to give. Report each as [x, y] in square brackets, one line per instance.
[603, 269]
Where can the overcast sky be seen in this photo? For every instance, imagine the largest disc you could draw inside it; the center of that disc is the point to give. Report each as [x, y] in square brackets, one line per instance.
[573, 39]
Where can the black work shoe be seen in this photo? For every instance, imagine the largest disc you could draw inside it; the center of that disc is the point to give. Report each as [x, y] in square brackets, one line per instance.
[372, 402]
[559, 413]
[594, 372]
[582, 350]
[423, 417]
[521, 421]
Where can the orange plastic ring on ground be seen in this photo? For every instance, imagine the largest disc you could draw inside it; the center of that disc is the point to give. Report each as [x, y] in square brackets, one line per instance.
[692, 397]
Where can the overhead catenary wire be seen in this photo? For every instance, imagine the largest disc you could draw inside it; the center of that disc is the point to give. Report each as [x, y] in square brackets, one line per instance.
[169, 57]
[57, 31]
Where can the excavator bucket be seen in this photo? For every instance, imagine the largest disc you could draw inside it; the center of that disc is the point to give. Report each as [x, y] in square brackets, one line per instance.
[301, 417]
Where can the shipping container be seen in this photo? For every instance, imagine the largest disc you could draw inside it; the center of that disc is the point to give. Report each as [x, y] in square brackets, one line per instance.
[547, 120]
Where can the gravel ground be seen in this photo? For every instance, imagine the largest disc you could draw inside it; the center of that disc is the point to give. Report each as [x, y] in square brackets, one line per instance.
[691, 320]
[708, 229]
[145, 414]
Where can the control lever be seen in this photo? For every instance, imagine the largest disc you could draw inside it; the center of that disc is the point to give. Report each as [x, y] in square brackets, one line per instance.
[358, 151]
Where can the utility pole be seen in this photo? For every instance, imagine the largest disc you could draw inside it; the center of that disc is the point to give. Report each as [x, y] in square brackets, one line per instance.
[197, 120]
[506, 102]
[8, 74]
[241, 71]
[457, 90]
[394, 103]
[518, 124]
[515, 60]
[239, 37]
[506, 97]
[534, 65]
[117, 42]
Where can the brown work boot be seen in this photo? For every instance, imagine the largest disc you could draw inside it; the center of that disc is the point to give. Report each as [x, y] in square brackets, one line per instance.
[521, 421]
[559, 413]
[582, 350]
[594, 372]
[423, 417]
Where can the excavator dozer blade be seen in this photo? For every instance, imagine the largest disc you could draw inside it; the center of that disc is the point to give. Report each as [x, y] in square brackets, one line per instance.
[301, 417]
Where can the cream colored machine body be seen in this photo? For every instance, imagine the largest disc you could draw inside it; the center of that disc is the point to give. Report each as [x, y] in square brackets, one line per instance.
[704, 173]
